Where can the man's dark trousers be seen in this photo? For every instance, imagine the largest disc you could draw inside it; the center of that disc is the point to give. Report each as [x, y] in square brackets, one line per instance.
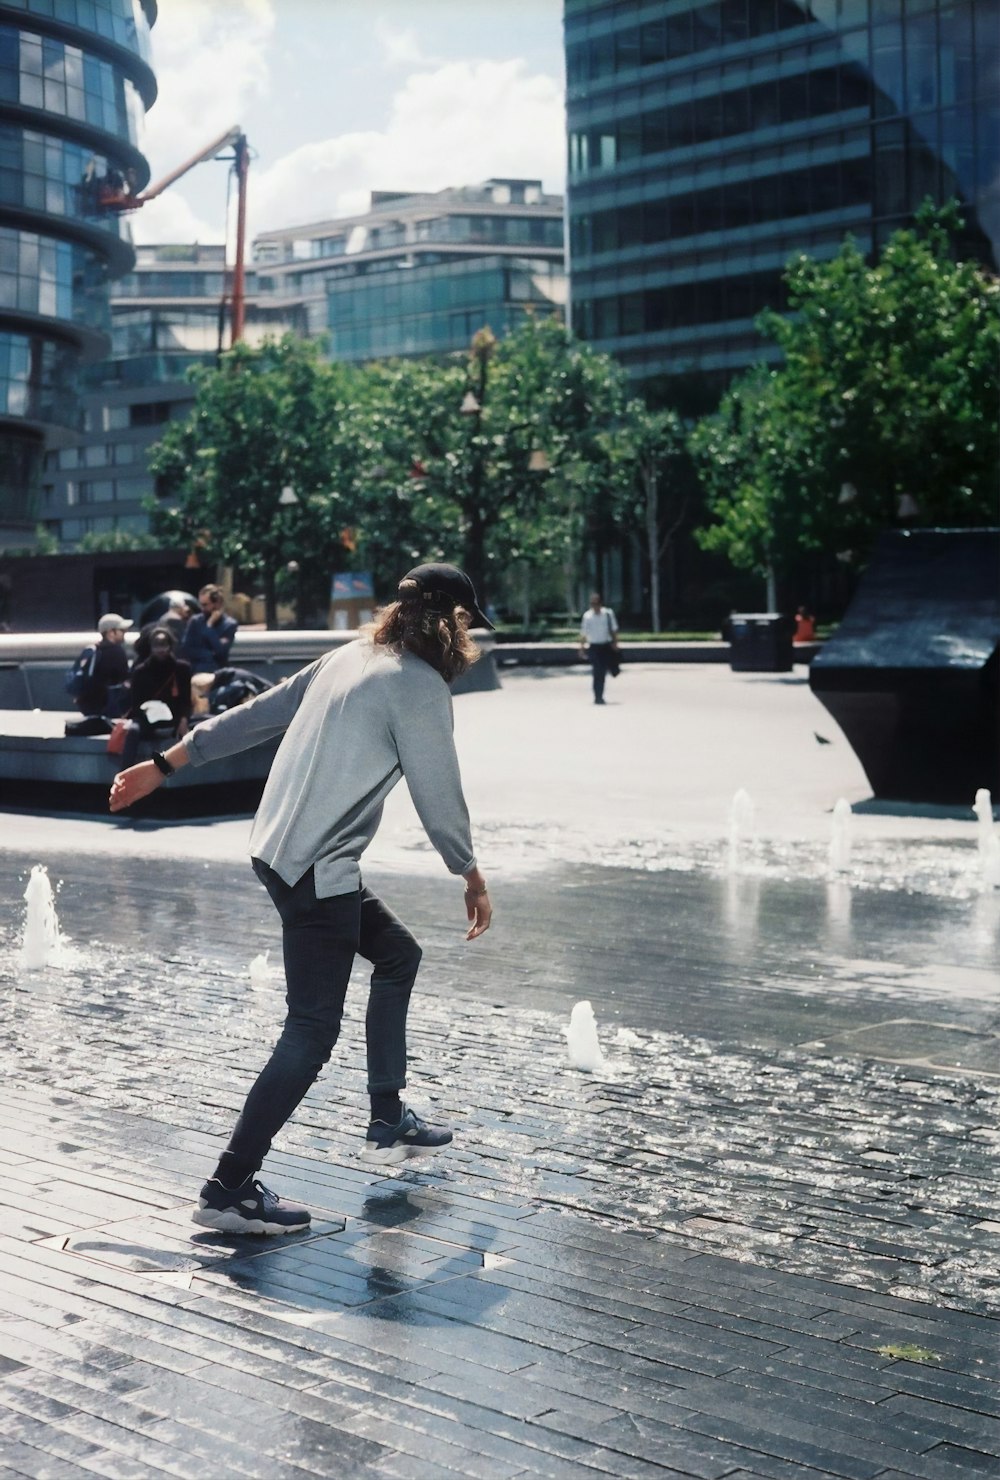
[602, 657]
[321, 938]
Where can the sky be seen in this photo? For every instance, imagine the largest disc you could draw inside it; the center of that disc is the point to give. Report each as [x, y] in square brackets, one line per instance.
[341, 97]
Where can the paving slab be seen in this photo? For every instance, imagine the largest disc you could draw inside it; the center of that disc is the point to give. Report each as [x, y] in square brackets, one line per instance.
[761, 1241]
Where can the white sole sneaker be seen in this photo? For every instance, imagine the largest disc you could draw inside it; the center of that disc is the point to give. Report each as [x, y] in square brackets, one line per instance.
[232, 1223]
[392, 1155]
[227, 1221]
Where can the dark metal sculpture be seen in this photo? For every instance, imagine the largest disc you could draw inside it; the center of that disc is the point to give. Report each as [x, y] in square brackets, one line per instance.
[912, 674]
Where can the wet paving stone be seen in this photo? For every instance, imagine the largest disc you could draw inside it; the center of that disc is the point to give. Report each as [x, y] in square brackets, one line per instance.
[724, 1255]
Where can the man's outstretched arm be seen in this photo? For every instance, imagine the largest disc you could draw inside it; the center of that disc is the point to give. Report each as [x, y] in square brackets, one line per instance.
[138, 781]
[224, 734]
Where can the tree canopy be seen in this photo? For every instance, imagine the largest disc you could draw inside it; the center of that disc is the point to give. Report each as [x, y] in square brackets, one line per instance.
[485, 459]
[883, 411]
[262, 472]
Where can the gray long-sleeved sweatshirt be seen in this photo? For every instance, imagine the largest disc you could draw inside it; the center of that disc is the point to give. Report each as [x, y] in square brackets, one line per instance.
[354, 723]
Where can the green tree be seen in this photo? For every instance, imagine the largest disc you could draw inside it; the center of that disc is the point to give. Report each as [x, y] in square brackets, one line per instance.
[552, 474]
[117, 539]
[261, 474]
[753, 455]
[410, 467]
[884, 409]
[46, 543]
[489, 460]
[649, 455]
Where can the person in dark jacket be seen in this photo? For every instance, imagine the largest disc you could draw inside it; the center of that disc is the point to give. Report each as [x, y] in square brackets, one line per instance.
[209, 635]
[109, 671]
[175, 620]
[162, 680]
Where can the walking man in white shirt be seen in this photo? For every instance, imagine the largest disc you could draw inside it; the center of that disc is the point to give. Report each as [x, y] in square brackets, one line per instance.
[354, 723]
[599, 642]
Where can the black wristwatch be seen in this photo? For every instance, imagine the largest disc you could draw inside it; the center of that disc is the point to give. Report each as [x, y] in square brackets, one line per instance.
[162, 764]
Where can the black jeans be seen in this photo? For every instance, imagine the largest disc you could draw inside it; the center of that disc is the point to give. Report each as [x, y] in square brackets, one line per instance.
[321, 938]
[602, 656]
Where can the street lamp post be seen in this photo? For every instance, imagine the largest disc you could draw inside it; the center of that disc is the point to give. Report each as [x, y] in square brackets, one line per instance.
[474, 532]
[287, 499]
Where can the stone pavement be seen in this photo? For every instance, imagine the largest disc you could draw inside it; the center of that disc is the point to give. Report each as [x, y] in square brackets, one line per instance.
[743, 1249]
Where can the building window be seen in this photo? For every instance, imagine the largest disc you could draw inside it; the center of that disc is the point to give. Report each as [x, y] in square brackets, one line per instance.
[149, 414]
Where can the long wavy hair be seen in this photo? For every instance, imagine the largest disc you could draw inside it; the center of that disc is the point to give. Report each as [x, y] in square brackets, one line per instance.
[441, 638]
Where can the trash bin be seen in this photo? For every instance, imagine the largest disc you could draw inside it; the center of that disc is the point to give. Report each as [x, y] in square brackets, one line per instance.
[760, 642]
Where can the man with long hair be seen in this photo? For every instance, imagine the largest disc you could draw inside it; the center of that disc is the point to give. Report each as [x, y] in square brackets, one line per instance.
[353, 724]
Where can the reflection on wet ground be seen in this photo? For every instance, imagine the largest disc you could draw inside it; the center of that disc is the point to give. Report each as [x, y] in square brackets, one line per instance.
[743, 958]
[939, 867]
[794, 1078]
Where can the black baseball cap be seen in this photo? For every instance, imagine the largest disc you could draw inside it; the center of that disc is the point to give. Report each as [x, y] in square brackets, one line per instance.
[447, 586]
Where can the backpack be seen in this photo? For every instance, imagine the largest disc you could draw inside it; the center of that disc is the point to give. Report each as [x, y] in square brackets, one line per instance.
[233, 686]
[75, 679]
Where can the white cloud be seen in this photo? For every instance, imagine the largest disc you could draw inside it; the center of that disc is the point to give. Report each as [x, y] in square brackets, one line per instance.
[400, 47]
[170, 218]
[211, 63]
[454, 125]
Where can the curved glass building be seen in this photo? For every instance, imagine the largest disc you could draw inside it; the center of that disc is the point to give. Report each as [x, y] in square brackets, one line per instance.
[710, 141]
[75, 81]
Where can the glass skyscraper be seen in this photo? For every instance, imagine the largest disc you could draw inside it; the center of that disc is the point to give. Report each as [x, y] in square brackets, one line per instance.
[75, 80]
[708, 142]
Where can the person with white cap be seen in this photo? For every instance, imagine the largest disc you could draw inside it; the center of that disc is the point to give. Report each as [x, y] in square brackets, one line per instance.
[105, 668]
[354, 723]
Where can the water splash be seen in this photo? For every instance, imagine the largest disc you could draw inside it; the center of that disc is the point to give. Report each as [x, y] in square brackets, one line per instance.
[260, 972]
[742, 813]
[41, 944]
[989, 843]
[582, 1043]
[840, 837]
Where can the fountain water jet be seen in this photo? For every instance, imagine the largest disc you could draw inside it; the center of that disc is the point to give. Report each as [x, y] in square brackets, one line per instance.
[260, 972]
[989, 843]
[582, 1043]
[840, 837]
[41, 944]
[741, 827]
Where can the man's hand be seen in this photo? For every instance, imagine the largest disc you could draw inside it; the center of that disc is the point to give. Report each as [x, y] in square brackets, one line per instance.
[131, 785]
[477, 904]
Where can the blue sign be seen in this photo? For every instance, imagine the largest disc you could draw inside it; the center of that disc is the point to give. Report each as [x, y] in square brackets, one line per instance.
[352, 585]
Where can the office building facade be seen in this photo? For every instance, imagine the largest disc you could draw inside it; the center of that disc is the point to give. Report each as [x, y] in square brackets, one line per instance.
[419, 274]
[710, 142]
[415, 275]
[167, 315]
[75, 81]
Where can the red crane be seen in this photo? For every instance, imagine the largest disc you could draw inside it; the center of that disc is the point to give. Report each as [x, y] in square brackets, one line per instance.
[113, 194]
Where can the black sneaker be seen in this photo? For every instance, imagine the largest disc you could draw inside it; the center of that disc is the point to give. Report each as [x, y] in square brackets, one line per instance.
[387, 1144]
[249, 1208]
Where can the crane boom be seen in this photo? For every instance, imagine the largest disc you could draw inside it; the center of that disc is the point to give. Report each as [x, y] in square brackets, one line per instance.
[112, 195]
[224, 141]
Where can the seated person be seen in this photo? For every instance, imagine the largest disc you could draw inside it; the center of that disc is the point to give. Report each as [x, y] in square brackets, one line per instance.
[209, 635]
[104, 692]
[805, 626]
[161, 696]
[175, 620]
